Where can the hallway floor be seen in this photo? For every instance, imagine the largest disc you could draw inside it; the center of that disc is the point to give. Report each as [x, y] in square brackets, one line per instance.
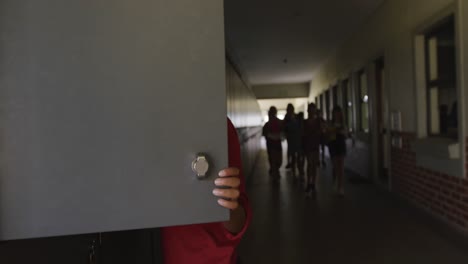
[368, 225]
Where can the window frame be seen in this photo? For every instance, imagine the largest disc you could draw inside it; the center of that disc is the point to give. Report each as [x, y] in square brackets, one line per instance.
[441, 81]
[347, 96]
[327, 105]
[455, 146]
[361, 101]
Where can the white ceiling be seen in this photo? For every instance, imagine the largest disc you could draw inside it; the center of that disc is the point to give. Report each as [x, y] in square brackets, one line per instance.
[263, 33]
[281, 104]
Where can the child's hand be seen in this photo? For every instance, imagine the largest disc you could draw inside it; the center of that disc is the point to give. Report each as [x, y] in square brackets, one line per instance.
[229, 192]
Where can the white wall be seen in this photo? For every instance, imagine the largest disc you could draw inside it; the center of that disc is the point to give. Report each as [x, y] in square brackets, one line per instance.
[278, 91]
[244, 111]
[242, 106]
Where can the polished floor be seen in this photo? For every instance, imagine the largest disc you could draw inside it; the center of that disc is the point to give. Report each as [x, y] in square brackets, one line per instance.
[368, 225]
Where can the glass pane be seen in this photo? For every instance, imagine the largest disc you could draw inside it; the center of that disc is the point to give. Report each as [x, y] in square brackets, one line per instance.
[350, 120]
[363, 85]
[442, 111]
[350, 92]
[339, 97]
[364, 103]
[365, 117]
[433, 59]
[434, 110]
[349, 105]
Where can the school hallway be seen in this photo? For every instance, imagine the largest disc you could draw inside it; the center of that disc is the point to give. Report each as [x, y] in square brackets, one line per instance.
[368, 225]
[113, 128]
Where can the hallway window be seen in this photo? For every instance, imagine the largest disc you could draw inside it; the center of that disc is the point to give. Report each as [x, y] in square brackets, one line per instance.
[441, 80]
[327, 105]
[347, 104]
[335, 95]
[321, 106]
[364, 101]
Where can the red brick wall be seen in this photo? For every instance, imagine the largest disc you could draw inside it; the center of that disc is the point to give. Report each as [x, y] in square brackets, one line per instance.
[443, 195]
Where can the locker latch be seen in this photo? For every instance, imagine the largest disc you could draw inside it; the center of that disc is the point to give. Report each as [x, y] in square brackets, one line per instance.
[201, 166]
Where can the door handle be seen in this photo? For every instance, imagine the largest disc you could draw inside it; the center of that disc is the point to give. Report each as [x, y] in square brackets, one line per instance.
[201, 166]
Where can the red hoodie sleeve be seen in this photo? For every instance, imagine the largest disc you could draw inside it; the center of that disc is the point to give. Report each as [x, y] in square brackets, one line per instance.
[209, 243]
[222, 236]
[236, 161]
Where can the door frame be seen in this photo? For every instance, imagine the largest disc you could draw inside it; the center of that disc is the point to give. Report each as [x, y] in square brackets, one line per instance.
[380, 99]
[382, 126]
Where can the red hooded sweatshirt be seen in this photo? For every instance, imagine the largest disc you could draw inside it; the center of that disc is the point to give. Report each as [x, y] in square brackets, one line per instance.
[208, 243]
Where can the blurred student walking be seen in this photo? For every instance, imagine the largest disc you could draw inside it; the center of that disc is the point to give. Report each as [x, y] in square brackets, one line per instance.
[289, 123]
[336, 132]
[323, 141]
[301, 154]
[272, 132]
[294, 130]
[312, 135]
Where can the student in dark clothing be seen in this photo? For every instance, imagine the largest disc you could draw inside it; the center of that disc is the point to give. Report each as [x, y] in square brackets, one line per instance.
[293, 130]
[272, 132]
[289, 121]
[312, 134]
[323, 141]
[301, 154]
[336, 132]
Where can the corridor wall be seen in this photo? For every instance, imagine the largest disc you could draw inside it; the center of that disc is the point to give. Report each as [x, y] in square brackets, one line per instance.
[390, 33]
[244, 111]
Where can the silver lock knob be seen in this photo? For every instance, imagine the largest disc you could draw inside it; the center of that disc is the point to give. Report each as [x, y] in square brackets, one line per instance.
[201, 166]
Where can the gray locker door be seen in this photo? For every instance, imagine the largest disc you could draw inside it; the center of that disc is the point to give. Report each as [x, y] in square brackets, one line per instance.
[104, 104]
